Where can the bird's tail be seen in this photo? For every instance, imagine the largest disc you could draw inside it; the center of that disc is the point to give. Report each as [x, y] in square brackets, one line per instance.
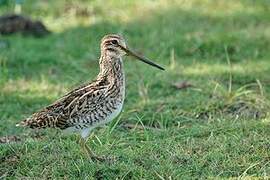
[23, 123]
[35, 122]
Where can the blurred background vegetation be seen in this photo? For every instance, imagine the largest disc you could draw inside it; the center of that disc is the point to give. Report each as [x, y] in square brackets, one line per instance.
[207, 115]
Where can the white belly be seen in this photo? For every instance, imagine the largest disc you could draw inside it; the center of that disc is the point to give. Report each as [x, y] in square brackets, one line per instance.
[86, 131]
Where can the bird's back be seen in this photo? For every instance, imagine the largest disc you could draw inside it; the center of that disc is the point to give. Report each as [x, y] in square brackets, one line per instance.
[88, 105]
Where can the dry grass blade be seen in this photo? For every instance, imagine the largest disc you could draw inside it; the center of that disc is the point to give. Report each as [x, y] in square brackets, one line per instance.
[137, 126]
[244, 102]
[182, 85]
[9, 139]
[15, 138]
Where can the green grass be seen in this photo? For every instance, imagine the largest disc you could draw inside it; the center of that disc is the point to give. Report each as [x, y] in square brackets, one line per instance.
[219, 128]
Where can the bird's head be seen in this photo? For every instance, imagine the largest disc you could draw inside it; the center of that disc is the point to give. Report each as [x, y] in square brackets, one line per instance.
[114, 45]
[111, 45]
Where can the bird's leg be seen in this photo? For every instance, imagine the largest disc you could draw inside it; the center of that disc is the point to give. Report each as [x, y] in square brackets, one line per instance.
[88, 150]
[90, 153]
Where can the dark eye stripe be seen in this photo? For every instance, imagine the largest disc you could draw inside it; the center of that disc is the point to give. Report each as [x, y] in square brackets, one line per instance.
[110, 43]
[107, 43]
[110, 40]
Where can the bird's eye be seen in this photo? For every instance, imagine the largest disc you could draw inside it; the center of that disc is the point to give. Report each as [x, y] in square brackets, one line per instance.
[114, 42]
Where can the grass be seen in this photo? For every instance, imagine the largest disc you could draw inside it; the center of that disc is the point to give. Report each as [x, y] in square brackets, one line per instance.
[219, 128]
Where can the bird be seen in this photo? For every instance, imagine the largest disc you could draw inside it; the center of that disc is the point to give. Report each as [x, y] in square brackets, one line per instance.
[91, 104]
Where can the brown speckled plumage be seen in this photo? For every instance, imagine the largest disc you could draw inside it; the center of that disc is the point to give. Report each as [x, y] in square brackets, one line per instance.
[94, 103]
[90, 104]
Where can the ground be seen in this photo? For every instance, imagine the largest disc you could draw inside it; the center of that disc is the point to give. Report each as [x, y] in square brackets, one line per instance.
[216, 127]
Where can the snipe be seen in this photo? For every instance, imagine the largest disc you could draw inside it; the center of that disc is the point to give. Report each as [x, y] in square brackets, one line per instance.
[92, 104]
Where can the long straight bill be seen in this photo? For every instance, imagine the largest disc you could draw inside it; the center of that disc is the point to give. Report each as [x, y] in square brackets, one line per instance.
[141, 58]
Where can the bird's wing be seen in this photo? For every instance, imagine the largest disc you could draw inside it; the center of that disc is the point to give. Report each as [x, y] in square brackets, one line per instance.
[59, 113]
